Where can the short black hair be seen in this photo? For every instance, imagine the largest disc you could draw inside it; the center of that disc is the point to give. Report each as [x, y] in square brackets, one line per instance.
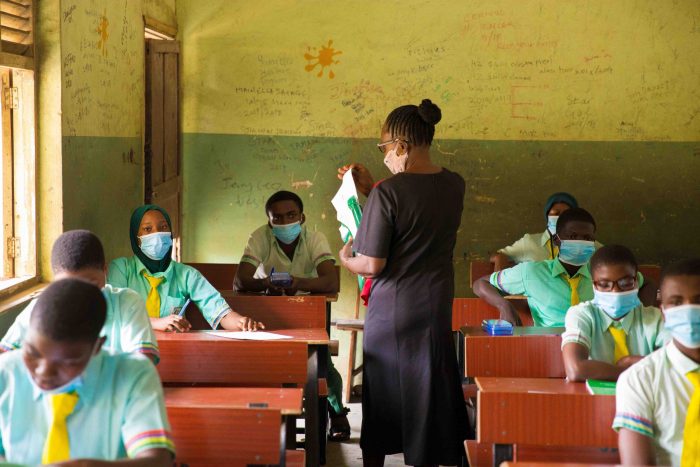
[613, 254]
[283, 196]
[574, 215]
[70, 310]
[414, 122]
[75, 250]
[686, 267]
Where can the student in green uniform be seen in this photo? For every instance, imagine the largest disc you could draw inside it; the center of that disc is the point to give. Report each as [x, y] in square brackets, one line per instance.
[286, 245]
[166, 285]
[552, 286]
[63, 398]
[608, 334]
[79, 254]
[539, 246]
[658, 399]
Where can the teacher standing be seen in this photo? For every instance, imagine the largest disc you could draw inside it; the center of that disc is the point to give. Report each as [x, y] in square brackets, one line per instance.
[412, 399]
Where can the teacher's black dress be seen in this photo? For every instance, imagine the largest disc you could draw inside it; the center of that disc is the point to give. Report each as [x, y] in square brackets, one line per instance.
[412, 400]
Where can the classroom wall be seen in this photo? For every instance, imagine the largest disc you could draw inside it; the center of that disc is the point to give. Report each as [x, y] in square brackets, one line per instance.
[597, 98]
[91, 117]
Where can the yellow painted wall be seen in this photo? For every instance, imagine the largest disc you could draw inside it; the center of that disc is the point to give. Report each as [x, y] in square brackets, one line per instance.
[501, 70]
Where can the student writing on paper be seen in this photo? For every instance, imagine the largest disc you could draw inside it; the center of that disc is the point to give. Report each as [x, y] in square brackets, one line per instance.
[64, 398]
[284, 244]
[552, 286]
[613, 331]
[166, 284]
[79, 254]
[658, 399]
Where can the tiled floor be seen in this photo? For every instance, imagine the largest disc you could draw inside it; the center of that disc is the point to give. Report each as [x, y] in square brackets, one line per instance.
[349, 453]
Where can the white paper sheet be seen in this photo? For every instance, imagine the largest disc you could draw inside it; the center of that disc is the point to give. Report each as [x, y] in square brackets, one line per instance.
[249, 335]
[347, 192]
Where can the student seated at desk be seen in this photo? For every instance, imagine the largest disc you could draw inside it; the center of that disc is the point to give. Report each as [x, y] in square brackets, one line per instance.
[608, 334]
[285, 245]
[539, 246]
[79, 254]
[552, 286]
[165, 284]
[658, 399]
[64, 398]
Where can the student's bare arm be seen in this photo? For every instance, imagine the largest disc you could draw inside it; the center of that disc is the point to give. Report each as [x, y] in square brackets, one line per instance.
[500, 261]
[236, 322]
[244, 281]
[483, 288]
[326, 282]
[635, 448]
[579, 368]
[647, 292]
[149, 458]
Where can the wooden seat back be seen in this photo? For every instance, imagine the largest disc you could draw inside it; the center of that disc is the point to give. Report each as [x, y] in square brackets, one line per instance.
[472, 311]
[220, 275]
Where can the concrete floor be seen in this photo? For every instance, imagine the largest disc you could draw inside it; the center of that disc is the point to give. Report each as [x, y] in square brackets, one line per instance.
[349, 454]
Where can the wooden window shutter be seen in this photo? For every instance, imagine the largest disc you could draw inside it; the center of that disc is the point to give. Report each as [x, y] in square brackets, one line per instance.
[16, 33]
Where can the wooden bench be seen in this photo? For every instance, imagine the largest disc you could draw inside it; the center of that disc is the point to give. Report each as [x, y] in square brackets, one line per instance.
[532, 411]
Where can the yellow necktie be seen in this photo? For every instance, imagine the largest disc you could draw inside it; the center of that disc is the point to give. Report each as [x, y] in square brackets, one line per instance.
[620, 338]
[551, 252]
[153, 299]
[691, 431]
[573, 283]
[57, 447]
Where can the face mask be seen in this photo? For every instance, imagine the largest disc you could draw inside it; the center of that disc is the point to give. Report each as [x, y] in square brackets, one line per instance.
[683, 322]
[576, 252]
[552, 224]
[287, 233]
[617, 304]
[395, 163]
[156, 245]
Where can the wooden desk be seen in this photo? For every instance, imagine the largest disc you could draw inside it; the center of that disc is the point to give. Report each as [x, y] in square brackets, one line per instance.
[287, 400]
[227, 436]
[188, 358]
[542, 412]
[531, 352]
[472, 311]
[555, 464]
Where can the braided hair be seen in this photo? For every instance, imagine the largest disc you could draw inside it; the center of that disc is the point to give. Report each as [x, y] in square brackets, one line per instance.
[416, 123]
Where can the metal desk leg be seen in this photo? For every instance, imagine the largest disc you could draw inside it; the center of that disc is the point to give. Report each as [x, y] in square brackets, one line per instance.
[502, 453]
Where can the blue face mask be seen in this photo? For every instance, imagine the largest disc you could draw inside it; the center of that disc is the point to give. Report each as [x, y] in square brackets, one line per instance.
[617, 304]
[552, 224]
[576, 252]
[683, 322]
[156, 245]
[287, 233]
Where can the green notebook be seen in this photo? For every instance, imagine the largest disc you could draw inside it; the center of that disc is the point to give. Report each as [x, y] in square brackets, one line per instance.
[601, 388]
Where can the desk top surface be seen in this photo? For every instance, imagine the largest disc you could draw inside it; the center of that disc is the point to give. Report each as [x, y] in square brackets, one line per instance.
[476, 331]
[234, 293]
[310, 336]
[286, 400]
[532, 386]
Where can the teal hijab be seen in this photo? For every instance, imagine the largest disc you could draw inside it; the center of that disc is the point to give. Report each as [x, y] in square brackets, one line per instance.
[152, 265]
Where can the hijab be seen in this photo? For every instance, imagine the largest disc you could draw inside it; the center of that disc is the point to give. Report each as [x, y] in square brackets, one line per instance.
[152, 265]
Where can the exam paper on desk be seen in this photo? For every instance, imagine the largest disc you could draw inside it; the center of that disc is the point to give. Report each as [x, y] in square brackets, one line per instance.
[249, 335]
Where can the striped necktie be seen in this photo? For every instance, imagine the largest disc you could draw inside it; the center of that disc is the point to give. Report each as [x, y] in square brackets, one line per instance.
[573, 283]
[620, 337]
[691, 431]
[153, 299]
[57, 447]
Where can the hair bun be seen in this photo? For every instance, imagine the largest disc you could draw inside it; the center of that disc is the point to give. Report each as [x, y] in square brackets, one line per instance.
[429, 112]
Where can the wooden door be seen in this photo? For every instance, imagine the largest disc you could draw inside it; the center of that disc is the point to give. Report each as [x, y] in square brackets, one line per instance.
[162, 146]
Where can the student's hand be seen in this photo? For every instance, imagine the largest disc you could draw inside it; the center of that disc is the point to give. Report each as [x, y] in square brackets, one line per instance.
[628, 361]
[249, 324]
[363, 178]
[345, 253]
[292, 289]
[510, 314]
[171, 323]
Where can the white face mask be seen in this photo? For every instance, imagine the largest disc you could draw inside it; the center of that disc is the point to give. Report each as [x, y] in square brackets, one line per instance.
[395, 163]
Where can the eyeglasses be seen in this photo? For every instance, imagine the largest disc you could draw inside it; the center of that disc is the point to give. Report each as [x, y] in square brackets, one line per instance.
[624, 284]
[383, 144]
